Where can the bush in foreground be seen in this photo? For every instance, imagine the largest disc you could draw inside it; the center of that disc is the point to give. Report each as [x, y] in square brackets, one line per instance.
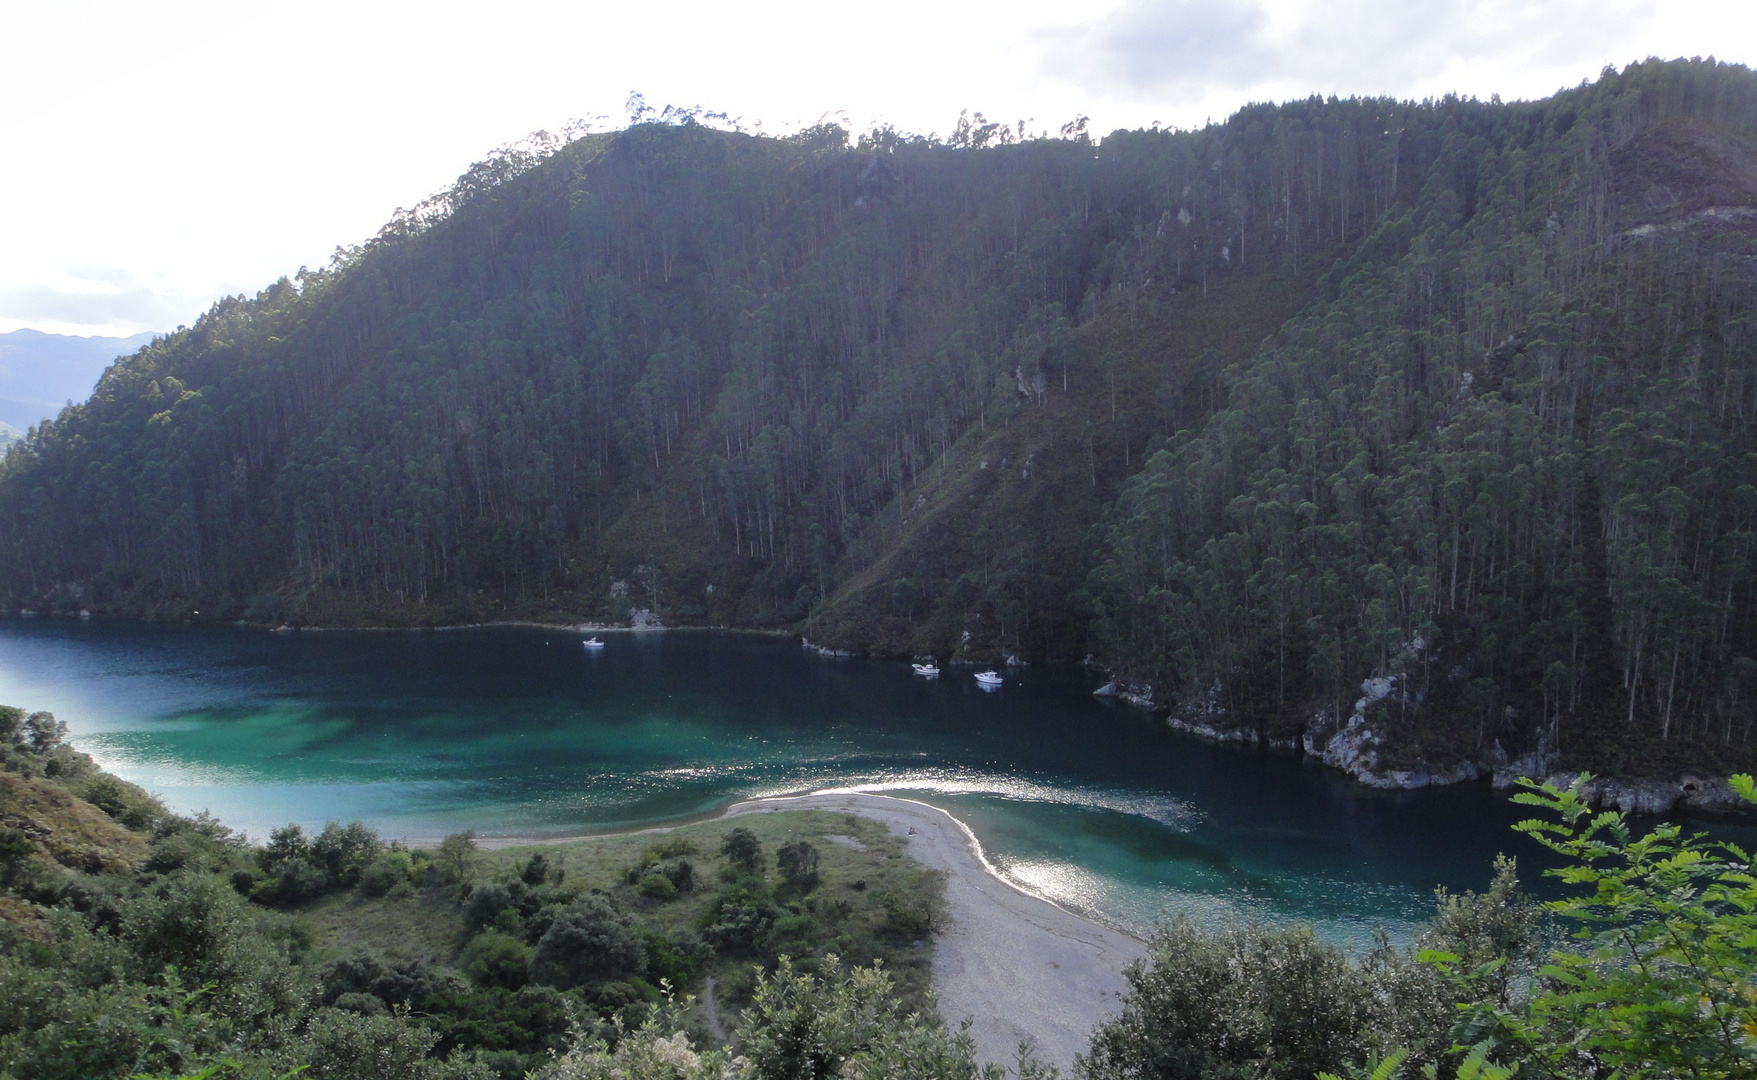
[1658, 978]
[800, 1026]
[589, 941]
[1245, 1002]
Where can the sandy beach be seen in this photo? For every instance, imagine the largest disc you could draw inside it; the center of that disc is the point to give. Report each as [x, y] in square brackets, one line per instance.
[1022, 968]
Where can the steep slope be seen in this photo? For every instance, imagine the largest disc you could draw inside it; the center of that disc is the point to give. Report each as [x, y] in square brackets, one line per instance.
[1449, 397]
[989, 554]
[1503, 471]
[622, 371]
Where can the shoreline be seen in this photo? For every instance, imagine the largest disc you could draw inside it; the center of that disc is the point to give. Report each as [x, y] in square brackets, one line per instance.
[526, 624]
[25, 615]
[764, 804]
[1696, 792]
[1021, 967]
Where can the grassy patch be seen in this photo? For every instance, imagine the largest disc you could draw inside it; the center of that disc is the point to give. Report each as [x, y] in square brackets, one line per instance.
[678, 907]
[407, 925]
[870, 902]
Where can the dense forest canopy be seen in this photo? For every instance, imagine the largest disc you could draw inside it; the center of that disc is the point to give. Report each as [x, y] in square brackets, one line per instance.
[1450, 396]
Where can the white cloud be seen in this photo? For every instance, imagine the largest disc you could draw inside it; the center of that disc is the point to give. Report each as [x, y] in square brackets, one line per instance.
[1202, 59]
[1172, 47]
[200, 147]
[105, 301]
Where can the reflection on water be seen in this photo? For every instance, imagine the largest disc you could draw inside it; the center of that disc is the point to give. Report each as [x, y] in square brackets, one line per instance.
[521, 731]
[1065, 883]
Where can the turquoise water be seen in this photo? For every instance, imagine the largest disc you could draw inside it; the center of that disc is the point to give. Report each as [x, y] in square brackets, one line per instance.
[518, 731]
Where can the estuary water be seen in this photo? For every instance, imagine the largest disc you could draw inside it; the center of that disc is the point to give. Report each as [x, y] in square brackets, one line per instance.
[521, 731]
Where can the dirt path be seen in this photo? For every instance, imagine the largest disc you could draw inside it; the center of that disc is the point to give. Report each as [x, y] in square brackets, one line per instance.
[710, 1006]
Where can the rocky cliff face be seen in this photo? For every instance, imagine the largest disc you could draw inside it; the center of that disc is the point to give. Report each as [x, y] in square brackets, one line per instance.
[1352, 745]
[1691, 791]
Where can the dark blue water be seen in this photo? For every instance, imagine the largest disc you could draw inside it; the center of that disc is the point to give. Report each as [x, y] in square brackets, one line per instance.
[523, 732]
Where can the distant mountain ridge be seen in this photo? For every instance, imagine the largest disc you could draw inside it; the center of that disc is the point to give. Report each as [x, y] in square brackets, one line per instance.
[40, 373]
[1422, 436]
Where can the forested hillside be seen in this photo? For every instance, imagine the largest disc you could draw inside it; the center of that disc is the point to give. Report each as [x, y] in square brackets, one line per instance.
[1451, 395]
[1504, 460]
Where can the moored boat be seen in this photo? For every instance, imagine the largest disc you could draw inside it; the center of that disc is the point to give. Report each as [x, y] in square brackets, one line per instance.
[592, 643]
[988, 678]
[927, 669]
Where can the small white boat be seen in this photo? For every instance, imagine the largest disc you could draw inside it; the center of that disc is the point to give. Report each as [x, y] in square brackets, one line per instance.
[927, 669]
[988, 678]
[592, 643]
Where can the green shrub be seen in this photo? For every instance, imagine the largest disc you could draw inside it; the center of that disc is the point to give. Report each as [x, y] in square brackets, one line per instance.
[588, 941]
[292, 881]
[340, 1045]
[456, 859]
[45, 731]
[647, 1053]
[657, 886]
[496, 959]
[412, 984]
[287, 842]
[365, 1004]
[790, 933]
[508, 922]
[1249, 1001]
[503, 1064]
[738, 920]
[15, 848]
[124, 802]
[291, 871]
[850, 1023]
[105, 792]
[743, 851]
[195, 923]
[798, 863]
[484, 903]
[740, 929]
[912, 916]
[681, 873]
[536, 870]
[529, 1022]
[345, 850]
[177, 851]
[673, 959]
[386, 872]
[1658, 976]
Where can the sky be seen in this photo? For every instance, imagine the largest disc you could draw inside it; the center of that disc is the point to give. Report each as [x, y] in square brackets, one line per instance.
[156, 156]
